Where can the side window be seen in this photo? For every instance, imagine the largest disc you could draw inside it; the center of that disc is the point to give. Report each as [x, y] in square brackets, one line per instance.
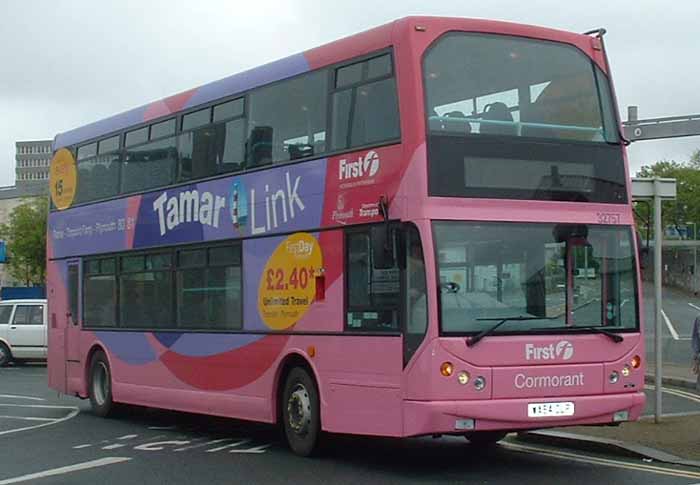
[209, 288]
[149, 166]
[99, 293]
[28, 315]
[365, 104]
[287, 120]
[145, 291]
[98, 170]
[209, 149]
[416, 298]
[372, 294]
[5, 314]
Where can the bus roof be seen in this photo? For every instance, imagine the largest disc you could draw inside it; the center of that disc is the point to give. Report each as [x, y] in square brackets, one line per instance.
[337, 51]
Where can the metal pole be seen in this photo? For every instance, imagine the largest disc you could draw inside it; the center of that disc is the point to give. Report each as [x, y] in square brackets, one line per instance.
[695, 257]
[658, 238]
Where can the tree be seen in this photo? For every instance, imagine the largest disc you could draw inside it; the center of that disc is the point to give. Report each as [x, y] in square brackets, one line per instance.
[686, 207]
[25, 235]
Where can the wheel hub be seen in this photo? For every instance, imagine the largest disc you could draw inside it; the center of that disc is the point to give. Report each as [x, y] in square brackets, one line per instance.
[299, 410]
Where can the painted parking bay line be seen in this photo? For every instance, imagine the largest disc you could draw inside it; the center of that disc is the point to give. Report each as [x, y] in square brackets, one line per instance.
[591, 460]
[111, 460]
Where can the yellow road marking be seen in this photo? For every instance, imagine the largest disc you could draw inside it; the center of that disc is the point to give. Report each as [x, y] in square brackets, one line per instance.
[601, 461]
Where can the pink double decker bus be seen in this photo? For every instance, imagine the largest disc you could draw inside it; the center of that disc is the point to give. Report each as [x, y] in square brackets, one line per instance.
[421, 229]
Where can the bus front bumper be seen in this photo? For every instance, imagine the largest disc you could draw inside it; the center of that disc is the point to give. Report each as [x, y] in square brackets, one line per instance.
[433, 417]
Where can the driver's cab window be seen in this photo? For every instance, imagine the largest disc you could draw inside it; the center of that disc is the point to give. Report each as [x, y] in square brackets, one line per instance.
[373, 294]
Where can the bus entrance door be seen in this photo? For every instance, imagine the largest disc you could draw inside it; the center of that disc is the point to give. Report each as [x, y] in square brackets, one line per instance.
[72, 330]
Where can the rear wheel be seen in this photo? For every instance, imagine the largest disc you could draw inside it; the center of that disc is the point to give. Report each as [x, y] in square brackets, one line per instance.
[300, 412]
[5, 355]
[485, 438]
[100, 385]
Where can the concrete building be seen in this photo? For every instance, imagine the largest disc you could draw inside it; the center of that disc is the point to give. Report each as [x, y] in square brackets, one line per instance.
[32, 165]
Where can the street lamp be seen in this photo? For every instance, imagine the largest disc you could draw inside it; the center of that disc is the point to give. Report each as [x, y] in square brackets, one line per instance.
[695, 255]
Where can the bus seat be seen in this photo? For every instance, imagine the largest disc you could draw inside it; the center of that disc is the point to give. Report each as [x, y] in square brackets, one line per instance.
[497, 120]
[458, 115]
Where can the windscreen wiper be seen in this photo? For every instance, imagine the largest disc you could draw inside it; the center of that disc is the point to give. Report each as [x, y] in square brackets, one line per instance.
[593, 328]
[501, 320]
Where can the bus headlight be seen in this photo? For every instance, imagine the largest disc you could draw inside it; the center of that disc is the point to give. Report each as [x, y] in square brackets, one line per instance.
[479, 383]
[614, 377]
[463, 377]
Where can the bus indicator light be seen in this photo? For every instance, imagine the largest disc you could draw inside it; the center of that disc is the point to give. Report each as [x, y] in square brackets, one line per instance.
[636, 362]
[446, 369]
[311, 350]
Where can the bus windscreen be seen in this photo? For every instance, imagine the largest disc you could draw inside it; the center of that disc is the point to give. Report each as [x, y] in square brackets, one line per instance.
[520, 119]
[541, 276]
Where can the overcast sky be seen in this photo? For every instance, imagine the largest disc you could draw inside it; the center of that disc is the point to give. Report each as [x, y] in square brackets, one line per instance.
[65, 63]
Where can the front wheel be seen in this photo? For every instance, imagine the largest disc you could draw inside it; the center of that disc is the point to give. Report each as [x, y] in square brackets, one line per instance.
[300, 412]
[100, 385]
[485, 438]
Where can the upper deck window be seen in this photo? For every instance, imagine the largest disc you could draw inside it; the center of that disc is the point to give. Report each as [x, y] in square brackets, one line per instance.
[519, 118]
[365, 104]
[287, 120]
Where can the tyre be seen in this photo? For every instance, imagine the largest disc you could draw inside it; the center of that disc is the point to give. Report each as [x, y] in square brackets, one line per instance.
[5, 355]
[485, 438]
[100, 385]
[301, 414]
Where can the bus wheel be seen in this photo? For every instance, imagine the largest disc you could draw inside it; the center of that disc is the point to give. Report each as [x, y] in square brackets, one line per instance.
[5, 355]
[300, 412]
[485, 438]
[100, 385]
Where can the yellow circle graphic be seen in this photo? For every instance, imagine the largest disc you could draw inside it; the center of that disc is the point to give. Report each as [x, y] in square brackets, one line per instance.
[63, 179]
[288, 282]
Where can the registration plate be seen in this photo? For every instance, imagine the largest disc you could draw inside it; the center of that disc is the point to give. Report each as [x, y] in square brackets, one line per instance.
[547, 409]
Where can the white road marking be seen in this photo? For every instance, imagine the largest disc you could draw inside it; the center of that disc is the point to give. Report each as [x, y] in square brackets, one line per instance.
[127, 437]
[160, 428]
[113, 447]
[73, 413]
[686, 395]
[66, 469]
[254, 450]
[200, 445]
[160, 445]
[80, 447]
[694, 306]
[15, 396]
[599, 461]
[27, 418]
[671, 329]
[231, 445]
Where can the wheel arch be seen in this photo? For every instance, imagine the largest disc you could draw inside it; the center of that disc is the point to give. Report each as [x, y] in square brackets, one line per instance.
[288, 362]
[96, 347]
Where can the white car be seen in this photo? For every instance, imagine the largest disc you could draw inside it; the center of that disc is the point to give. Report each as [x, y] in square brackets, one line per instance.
[22, 330]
